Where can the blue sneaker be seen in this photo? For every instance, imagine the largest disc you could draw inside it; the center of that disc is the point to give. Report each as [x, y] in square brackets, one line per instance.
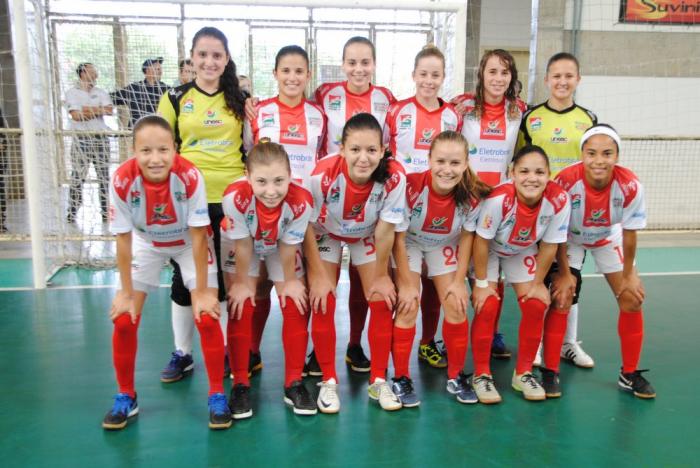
[462, 389]
[219, 412]
[499, 350]
[403, 389]
[180, 366]
[124, 408]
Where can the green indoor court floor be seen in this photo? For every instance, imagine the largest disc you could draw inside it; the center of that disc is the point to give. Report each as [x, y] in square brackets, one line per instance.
[58, 381]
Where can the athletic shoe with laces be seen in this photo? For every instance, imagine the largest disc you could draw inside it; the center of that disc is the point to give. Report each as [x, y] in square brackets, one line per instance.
[255, 363]
[298, 397]
[381, 392]
[462, 389]
[403, 389]
[499, 350]
[635, 383]
[219, 412]
[433, 355]
[239, 402]
[356, 359]
[574, 353]
[311, 367]
[550, 383]
[485, 389]
[529, 386]
[328, 401]
[538, 357]
[124, 408]
[180, 366]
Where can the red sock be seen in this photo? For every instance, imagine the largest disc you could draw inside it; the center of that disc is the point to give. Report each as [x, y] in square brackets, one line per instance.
[401, 344]
[212, 340]
[124, 344]
[530, 333]
[357, 305]
[323, 336]
[630, 328]
[430, 310]
[380, 328]
[554, 331]
[501, 289]
[456, 336]
[482, 334]
[239, 338]
[295, 337]
[262, 310]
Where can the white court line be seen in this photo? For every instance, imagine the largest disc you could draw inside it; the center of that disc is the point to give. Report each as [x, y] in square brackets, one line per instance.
[112, 286]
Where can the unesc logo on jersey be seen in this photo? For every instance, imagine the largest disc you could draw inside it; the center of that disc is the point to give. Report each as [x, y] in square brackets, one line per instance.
[293, 132]
[493, 129]
[211, 120]
[438, 224]
[426, 136]
[558, 136]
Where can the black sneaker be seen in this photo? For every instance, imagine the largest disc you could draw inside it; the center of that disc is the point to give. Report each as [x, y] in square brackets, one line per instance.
[239, 402]
[550, 383]
[499, 350]
[356, 359]
[255, 363]
[311, 368]
[124, 408]
[433, 354]
[299, 398]
[635, 383]
[403, 388]
[180, 366]
[219, 412]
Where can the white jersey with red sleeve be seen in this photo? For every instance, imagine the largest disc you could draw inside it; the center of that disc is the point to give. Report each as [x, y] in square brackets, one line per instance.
[160, 213]
[599, 215]
[512, 226]
[491, 136]
[300, 129]
[350, 212]
[410, 128]
[339, 104]
[434, 220]
[246, 217]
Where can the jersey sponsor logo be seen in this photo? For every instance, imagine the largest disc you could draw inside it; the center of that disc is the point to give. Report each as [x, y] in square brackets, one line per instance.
[617, 202]
[135, 198]
[268, 119]
[381, 106]
[160, 214]
[405, 121]
[211, 120]
[523, 236]
[191, 175]
[188, 106]
[250, 217]
[545, 219]
[473, 149]
[293, 132]
[267, 237]
[334, 102]
[426, 136]
[180, 196]
[120, 183]
[201, 211]
[315, 121]
[298, 209]
[597, 217]
[438, 224]
[582, 126]
[493, 129]
[392, 182]
[535, 123]
[558, 136]
[241, 202]
[375, 197]
[629, 188]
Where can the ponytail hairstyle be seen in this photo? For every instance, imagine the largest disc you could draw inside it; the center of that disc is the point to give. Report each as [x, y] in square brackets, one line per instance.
[470, 187]
[365, 121]
[429, 50]
[266, 152]
[291, 50]
[228, 83]
[360, 40]
[507, 60]
[527, 149]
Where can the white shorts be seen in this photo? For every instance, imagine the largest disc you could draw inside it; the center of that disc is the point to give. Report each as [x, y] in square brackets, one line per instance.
[361, 252]
[438, 261]
[273, 264]
[608, 258]
[519, 268]
[147, 262]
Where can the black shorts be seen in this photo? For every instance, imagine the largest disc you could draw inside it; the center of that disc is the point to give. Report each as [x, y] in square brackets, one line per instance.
[577, 273]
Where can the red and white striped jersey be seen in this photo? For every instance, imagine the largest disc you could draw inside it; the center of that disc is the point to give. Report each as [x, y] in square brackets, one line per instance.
[160, 213]
[492, 137]
[410, 128]
[599, 215]
[513, 227]
[434, 220]
[300, 129]
[246, 217]
[348, 211]
[339, 104]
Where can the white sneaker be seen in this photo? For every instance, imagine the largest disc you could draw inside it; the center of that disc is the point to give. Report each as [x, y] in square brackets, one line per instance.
[528, 384]
[574, 353]
[328, 400]
[381, 391]
[485, 389]
[538, 357]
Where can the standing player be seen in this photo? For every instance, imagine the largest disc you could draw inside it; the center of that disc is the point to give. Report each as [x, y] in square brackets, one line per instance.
[492, 117]
[160, 212]
[441, 213]
[207, 118]
[359, 197]
[520, 225]
[409, 130]
[266, 219]
[557, 126]
[607, 210]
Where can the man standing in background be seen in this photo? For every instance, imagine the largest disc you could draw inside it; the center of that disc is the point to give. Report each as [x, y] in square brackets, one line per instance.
[142, 97]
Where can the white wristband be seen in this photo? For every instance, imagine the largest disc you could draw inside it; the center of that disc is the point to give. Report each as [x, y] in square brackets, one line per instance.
[481, 283]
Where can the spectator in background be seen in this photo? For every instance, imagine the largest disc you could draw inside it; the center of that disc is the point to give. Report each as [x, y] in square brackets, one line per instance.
[185, 73]
[142, 97]
[87, 105]
[3, 174]
[245, 85]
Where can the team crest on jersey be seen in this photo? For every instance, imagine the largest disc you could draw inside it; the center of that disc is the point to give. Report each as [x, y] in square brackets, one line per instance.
[558, 136]
[211, 120]
[188, 107]
[159, 213]
[416, 210]
[535, 123]
[575, 201]
[180, 196]
[582, 126]
[268, 119]
[135, 198]
[381, 107]
[334, 196]
[597, 218]
[426, 136]
[493, 129]
[334, 102]
[405, 121]
[293, 133]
